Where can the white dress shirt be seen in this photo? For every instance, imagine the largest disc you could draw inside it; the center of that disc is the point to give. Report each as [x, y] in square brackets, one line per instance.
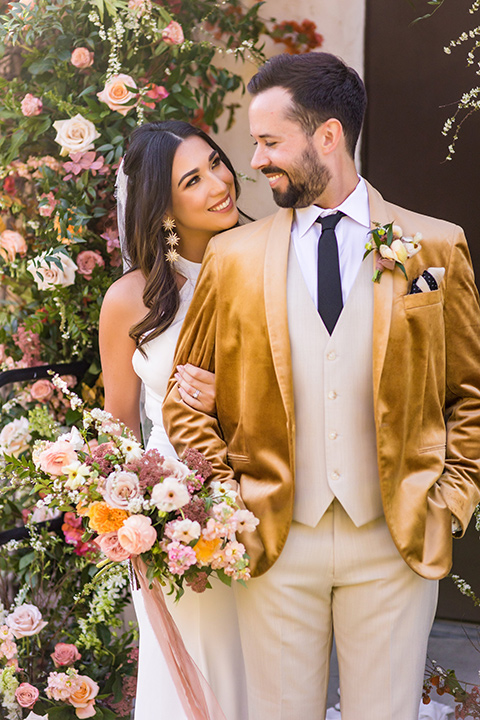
[351, 232]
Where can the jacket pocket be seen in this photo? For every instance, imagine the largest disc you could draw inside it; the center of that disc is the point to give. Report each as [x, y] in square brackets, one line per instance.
[419, 300]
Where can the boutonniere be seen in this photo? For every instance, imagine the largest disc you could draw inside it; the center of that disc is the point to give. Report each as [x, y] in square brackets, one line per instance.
[393, 249]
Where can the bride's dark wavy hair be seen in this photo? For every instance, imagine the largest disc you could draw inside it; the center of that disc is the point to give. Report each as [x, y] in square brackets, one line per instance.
[148, 166]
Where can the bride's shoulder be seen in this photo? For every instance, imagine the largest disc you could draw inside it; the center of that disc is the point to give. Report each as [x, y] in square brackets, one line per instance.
[125, 295]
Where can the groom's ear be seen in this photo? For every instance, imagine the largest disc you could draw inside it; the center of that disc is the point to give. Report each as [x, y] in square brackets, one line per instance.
[329, 136]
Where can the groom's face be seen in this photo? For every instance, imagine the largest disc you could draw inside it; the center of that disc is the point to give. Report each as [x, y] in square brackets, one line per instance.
[284, 153]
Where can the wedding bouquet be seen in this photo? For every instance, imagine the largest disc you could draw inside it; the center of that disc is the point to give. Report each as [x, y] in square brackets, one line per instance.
[139, 503]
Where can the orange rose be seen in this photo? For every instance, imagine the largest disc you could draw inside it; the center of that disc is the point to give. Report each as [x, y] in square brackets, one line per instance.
[83, 697]
[205, 550]
[104, 519]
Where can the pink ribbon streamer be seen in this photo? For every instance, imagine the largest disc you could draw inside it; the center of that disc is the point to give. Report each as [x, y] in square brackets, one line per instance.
[196, 695]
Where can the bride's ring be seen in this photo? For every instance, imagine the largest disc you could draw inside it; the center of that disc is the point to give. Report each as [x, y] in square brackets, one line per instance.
[196, 394]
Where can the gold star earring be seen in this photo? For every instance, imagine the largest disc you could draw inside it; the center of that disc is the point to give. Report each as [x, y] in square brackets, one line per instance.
[171, 238]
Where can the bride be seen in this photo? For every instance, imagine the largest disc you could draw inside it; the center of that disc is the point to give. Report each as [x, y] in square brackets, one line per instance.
[181, 190]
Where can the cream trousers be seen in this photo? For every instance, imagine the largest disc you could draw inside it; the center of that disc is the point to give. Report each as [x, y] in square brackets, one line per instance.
[350, 581]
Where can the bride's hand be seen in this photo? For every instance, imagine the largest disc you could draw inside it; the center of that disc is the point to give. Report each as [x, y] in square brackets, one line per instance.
[196, 387]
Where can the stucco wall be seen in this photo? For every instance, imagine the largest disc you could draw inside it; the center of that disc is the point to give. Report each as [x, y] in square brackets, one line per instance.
[341, 22]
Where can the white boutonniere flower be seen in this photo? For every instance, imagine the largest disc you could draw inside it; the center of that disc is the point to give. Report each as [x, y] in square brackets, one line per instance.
[392, 248]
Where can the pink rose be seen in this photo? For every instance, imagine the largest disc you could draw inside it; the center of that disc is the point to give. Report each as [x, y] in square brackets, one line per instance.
[11, 244]
[41, 390]
[87, 260]
[137, 534]
[26, 695]
[173, 34]
[110, 546]
[47, 204]
[83, 696]
[82, 58]
[31, 105]
[25, 620]
[116, 94]
[56, 456]
[65, 654]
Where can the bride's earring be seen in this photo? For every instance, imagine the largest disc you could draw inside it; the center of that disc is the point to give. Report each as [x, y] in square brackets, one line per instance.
[171, 238]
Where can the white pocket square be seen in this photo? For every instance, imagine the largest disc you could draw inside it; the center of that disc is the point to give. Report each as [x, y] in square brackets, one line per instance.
[429, 280]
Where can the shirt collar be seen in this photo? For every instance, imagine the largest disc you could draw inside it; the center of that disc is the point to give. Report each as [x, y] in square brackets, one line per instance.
[355, 206]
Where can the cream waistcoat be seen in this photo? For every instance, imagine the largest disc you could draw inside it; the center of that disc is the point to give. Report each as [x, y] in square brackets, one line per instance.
[333, 397]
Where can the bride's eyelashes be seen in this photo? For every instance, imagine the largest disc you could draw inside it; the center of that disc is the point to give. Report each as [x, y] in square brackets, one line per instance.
[216, 161]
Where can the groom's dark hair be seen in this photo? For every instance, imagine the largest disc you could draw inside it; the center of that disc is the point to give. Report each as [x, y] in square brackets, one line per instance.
[322, 86]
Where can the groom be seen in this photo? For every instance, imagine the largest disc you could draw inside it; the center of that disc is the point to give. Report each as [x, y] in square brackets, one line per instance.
[348, 412]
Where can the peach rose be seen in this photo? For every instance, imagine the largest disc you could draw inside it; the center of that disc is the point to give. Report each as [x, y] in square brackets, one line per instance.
[110, 546]
[49, 270]
[11, 244]
[26, 695]
[83, 696]
[82, 58]
[87, 260]
[115, 93]
[25, 620]
[15, 437]
[137, 535]
[31, 105]
[65, 654]
[173, 34]
[56, 456]
[75, 135]
[42, 390]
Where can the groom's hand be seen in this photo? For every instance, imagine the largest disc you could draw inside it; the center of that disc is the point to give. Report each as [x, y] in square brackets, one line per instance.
[196, 387]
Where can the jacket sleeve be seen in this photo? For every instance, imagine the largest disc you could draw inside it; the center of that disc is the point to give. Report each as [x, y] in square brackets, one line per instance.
[185, 426]
[460, 483]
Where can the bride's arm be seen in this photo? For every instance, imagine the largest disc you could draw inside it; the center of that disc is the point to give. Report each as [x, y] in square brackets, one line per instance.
[122, 385]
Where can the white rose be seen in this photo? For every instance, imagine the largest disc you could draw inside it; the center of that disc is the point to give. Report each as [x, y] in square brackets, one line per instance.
[47, 273]
[75, 135]
[120, 488]
[170, 495]
[397, 231]
[15, 437]
[25, 620]
[74, 438]
[177, 469]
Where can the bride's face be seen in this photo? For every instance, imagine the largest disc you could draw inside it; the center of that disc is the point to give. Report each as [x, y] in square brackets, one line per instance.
[203, 192]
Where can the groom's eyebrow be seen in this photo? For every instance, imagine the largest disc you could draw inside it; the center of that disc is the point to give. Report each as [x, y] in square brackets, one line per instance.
[196, 170]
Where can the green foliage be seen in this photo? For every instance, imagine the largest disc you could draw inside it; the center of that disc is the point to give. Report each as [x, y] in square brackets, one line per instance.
[59, 196]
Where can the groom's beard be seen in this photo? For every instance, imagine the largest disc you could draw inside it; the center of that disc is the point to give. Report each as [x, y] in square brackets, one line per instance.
[307, 180]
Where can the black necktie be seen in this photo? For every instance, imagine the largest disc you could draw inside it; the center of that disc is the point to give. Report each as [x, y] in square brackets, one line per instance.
[330, 302]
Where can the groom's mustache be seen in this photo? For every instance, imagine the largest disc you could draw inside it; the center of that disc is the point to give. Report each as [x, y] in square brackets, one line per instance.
[273, 169]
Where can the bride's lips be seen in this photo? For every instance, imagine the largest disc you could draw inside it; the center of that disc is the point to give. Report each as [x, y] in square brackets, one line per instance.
[224, 205]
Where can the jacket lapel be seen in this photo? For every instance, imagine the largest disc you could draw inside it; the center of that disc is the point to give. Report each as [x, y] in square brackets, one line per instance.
[275, 280]
[382, 295]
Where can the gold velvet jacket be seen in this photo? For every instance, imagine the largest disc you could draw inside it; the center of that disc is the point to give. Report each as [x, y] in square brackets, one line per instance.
[425, 380]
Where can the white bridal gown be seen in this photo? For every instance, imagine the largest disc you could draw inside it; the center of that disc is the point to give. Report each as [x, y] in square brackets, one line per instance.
[207, 621]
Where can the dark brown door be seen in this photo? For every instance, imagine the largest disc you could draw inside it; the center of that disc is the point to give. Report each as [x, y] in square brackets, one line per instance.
[409, 78]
